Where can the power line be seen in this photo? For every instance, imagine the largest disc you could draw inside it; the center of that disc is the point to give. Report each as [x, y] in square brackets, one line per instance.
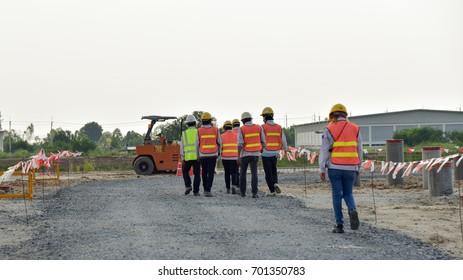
[53, 124]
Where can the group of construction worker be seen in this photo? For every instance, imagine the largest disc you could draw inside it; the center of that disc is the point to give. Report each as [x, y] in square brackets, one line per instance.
[240, 146]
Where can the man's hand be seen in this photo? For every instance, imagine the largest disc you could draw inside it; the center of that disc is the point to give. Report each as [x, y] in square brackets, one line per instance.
[322, 176]
[238, 160]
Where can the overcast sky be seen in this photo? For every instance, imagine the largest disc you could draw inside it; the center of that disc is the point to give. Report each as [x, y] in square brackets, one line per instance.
[113, 62]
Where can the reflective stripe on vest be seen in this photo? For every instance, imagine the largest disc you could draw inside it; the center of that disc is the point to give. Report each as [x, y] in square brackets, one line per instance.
[345, 146]
[273, 137]
[229, 144]
[251, 136]
[208, 140]
[189, 144]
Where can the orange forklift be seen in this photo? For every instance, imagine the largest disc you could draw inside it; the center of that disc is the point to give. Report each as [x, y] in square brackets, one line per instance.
[154, 156]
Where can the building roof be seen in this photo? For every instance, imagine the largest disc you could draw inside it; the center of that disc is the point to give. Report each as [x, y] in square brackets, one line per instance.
[388, 114]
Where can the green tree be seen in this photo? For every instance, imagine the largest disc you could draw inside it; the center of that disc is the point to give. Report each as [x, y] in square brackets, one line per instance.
[132, 139]
[417, 136]
[62, 140]
[29, 133]
[17, 142]
[455, 137]
[82, 143]
[93, 130]
[116, 139]
[104, 142]
[173, 130]
[290, 138]
[58, 140]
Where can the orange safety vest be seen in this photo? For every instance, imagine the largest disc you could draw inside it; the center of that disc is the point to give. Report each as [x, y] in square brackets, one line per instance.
[273, 137]
[345, 146]
[229, 144]
[251, 136]
[208, 140]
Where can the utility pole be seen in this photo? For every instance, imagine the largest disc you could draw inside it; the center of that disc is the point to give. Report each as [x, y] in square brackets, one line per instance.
[286, 121]
[51, 129]
[9, 133]
[1, 133]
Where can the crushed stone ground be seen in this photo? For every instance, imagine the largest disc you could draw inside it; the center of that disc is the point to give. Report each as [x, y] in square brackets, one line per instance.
[150, 218]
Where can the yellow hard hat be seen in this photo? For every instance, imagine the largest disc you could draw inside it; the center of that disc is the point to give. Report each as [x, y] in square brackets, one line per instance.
[229, 123]
[236, 121]
[338, 108]
[267, 111]
[246, 115]
[206, 116]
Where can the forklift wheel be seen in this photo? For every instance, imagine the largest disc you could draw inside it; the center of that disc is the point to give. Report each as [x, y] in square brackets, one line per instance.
[143, 166]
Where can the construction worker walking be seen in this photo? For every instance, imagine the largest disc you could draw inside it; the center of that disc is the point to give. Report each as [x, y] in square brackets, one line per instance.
[251, 140]
[189, 156]
[276, 141]
[341, 153]
[236, 125]
[209, 146]
[229, 157]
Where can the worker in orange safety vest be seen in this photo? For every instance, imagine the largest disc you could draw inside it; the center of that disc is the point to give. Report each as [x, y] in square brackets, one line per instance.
[341, 154]
[236, 126]
[209, 146]
[276, 141]
[251, 141]
[229, 157]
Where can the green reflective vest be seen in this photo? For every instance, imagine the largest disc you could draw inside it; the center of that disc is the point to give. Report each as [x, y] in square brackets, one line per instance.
[189, 144]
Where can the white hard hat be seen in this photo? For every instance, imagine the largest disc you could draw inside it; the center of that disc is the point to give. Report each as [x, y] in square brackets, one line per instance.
[246, 115]
[190, 119]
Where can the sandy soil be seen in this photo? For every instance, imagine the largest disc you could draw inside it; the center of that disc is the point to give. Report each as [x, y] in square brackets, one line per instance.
[408, 209]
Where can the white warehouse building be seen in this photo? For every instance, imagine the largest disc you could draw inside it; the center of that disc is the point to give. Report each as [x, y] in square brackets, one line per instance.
[375, 129]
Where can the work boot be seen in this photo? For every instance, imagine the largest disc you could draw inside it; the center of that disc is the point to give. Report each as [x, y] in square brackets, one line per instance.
[243, 194]
[196, 194]
[271, 194]
[233, 190]
[354, 219]
[208, 194]
[338, 229]
[228, 190]
[254, 195]
[187, 190]
[277, 188]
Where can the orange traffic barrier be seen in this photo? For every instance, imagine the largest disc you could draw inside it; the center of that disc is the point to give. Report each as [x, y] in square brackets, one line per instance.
[27, 195]
[43, 178]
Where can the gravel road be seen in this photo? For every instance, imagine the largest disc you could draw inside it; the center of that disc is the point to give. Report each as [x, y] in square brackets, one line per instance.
[150, 218]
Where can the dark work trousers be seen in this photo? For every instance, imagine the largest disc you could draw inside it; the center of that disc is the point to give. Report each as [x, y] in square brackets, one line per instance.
[208, 165]
[271, 175]
[252, 162]
[186, 174]
[231, 172]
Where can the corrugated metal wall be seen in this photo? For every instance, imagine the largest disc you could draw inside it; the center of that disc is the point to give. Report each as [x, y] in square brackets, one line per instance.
[375, 129]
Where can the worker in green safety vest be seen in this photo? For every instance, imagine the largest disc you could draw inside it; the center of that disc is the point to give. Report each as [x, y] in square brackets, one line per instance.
[189, 156]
